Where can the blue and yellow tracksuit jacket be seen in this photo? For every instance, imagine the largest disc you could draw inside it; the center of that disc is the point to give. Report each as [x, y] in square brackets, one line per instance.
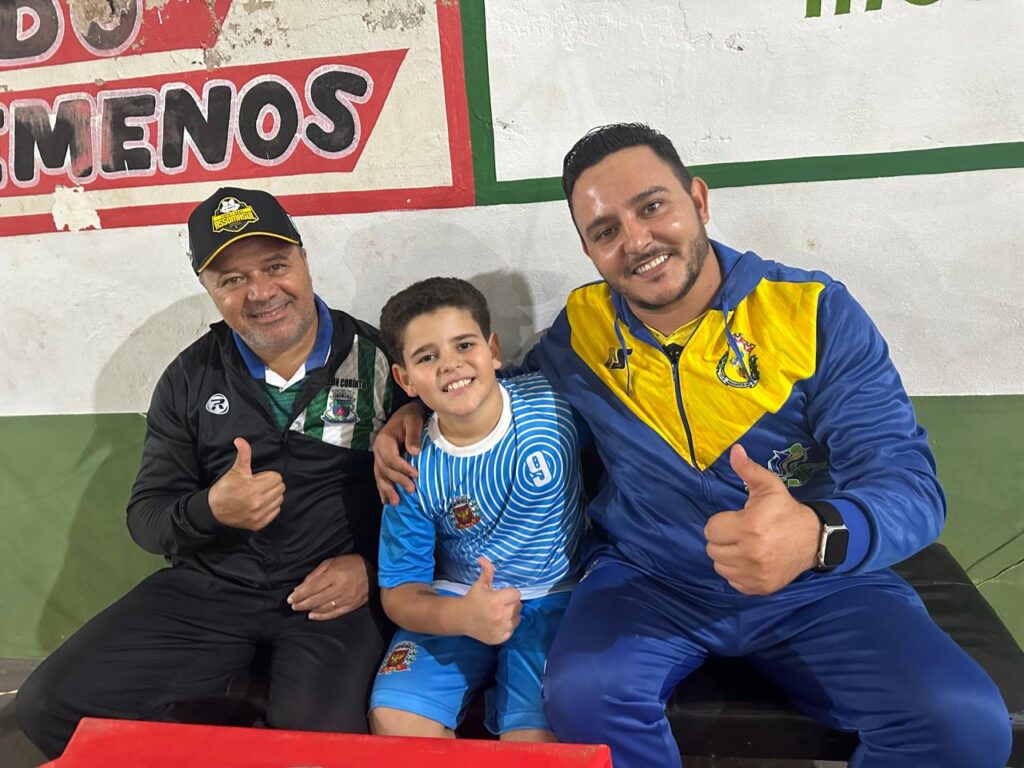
[784, 362]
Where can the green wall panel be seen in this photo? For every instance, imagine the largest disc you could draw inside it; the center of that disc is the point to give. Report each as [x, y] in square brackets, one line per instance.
[65, 552]
[977, 443]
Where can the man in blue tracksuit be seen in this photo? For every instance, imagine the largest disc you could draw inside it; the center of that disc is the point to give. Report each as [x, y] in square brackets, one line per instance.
[765, 468]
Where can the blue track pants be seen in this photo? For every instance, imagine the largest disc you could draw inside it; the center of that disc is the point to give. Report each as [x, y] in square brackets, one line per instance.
[857, 653]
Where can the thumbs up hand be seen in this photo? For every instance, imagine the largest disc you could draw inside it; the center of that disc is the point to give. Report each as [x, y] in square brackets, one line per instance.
[241, 499]
[764, 546]
[490, 615]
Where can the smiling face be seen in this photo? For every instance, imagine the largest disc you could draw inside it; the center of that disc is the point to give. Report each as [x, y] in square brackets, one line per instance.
[450, 365]
[645, 233]
[264, 292]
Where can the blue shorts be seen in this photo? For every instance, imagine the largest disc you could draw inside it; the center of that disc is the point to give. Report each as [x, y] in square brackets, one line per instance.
[436, 676]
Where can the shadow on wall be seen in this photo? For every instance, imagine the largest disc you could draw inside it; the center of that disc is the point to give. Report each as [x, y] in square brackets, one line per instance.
[508, 298]
[394, 254]
[101, 562]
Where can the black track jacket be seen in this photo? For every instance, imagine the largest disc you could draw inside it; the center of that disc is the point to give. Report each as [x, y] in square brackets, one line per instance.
[205, 399]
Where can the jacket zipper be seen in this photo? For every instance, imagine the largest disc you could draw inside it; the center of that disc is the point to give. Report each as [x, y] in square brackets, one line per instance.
[301, 403]
[674, 352]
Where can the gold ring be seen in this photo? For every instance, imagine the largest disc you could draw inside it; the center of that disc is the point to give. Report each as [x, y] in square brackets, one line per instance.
[334, 605]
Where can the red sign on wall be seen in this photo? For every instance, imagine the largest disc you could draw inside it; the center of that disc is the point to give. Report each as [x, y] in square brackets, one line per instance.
[46, 32]
[304, 116]
[309, 116]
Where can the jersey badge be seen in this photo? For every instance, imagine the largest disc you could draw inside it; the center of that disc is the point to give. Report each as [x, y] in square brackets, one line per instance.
[464, 511]
[402, 655]
[341, 405]
[740, 374]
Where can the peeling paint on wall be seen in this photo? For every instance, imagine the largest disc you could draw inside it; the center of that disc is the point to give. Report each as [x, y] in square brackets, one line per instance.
[251, 6]
[214, 58]
[72, 211]
[394, 15]
[109, 25]
[105, 13]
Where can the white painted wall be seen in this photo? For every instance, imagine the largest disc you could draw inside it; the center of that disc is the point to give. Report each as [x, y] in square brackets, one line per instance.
[89, 319]
[750, 80]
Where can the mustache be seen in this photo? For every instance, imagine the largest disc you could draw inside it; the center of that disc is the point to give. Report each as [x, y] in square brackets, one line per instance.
[264, 306]
[650, 253]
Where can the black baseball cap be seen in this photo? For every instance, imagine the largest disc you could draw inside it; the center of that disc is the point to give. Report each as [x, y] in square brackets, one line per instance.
[230, 214]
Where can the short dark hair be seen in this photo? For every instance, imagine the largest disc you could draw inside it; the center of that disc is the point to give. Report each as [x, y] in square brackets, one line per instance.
[423, 298]
[606, 139]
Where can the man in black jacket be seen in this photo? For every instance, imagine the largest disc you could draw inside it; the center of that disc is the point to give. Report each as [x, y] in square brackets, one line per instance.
[256, 484]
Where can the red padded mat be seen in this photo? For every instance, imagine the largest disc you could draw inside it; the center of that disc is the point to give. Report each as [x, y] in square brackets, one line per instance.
[130, 744]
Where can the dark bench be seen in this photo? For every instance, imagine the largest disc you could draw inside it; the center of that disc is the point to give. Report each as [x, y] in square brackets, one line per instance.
[725, 710]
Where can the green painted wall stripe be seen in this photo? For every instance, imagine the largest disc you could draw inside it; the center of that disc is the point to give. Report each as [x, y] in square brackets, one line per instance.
[478, 96]
[65, 552]
[490, 191]
[915, 162]
[520, 191]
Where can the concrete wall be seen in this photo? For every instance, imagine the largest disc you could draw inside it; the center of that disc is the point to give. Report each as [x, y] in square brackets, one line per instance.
[880, 141]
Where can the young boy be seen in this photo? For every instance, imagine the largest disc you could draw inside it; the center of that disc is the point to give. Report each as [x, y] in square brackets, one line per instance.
[476, 566]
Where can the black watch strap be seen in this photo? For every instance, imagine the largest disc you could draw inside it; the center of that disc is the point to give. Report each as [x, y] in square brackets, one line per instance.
[834, 539]
[828, 514]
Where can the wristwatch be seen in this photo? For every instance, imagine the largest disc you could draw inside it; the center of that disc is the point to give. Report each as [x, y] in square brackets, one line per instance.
[834, 538]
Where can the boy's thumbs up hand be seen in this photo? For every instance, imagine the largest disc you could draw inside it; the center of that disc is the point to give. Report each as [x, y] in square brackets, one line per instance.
[486, 578]
[490, 615]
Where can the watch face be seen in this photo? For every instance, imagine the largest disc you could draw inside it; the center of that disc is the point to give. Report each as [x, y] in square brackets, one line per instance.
[836, 542]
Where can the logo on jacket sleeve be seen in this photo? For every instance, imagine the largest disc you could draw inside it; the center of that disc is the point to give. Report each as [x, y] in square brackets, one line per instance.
[217, 404]
[736, 373]
[464, 511]
[232, 215]
[792, 465]
[341, 405]
[402, 655]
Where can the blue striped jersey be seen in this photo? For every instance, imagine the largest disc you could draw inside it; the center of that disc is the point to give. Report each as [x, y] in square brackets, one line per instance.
[514, 497]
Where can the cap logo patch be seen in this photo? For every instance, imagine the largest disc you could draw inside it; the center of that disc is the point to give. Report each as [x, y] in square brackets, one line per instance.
[233, 215]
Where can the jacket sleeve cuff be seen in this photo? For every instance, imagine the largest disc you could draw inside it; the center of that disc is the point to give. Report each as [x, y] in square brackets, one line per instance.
[199, 515]
[860, 533]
